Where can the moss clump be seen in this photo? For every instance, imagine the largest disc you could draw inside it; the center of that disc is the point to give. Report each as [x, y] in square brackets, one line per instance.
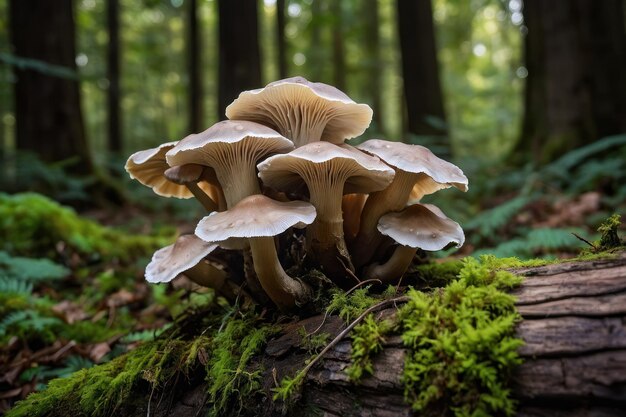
[224, 350]
[103, 389]
[367, 340]
[609, 238]
[461, 342]
[349, 306]
[33, 225]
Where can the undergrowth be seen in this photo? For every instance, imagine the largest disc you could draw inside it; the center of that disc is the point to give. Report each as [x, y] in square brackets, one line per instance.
[224, 350]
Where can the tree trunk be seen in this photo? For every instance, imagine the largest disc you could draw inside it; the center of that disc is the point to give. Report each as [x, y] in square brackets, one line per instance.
[575, 53]
[113, 75]
[240, 61]
[422, 89]
[339, 54]
[194, 70]
[372, 62]
[47, 107]
[281, 40]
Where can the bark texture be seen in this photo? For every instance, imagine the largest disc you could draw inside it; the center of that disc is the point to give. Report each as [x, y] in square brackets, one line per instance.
[420, 69]
[575, 53]
[47, 105]
[240, 58]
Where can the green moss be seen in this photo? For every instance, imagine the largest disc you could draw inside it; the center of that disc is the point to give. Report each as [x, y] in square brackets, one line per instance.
[367, 340]
[33, 225]
[461, 342]
[609, 238]
[350, 306]
[313, 343]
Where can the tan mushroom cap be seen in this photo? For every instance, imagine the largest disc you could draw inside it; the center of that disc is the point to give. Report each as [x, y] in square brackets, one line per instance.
[324, 161]
[303, 111]
[168, 262]
[149, 166]
[437, 173]
[421, 226]
[211, 146]
[255, 216]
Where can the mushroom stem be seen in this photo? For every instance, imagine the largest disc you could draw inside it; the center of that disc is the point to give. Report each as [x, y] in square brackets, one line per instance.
[325, 238]
[239, 180]
[394, 268]
[208, 275]
[392, 198]
[283, 290]
[206, 201]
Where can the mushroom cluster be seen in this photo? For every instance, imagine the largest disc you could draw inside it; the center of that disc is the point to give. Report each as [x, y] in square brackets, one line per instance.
[280, 163]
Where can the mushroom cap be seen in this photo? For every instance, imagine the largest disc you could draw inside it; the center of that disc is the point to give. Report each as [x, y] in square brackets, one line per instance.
[149, 166]
[287, 104]
[421, 226]
[255, 216]
[168, 262]
[436, 173]
[323, 160]
[225, 138]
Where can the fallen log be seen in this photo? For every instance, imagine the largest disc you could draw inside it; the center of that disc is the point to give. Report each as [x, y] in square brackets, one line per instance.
[574, 329]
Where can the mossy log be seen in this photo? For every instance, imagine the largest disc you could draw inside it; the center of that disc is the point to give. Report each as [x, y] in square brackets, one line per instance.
[574, 328]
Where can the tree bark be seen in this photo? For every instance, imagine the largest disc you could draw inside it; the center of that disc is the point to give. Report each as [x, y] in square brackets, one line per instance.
[422, 88]
[372, 62]
[47, 107]
[339, 54]
[113, 75]
[574, 326]
[194, 49]
[575, 53]
[281, 40]
[240, 58]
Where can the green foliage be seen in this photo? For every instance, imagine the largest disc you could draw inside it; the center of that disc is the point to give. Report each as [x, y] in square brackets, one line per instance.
[462, 344]
[489, 221]
[288, 388]
[33, 225]
[350, 306]
[313, 343]
[31, 270]
[367, 340]
[609, 238]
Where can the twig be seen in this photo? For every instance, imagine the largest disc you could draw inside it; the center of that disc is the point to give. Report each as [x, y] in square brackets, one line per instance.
[348, 270]
[341, 335]
[585, 240]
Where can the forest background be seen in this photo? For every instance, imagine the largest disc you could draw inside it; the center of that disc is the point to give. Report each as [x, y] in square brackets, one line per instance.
[527, 97]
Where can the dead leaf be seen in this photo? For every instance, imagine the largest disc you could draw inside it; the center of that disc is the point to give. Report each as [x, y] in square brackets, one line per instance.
[70, 311]
[97, 351]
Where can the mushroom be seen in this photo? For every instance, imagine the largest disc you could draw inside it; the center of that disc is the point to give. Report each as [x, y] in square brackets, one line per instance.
[186, 256]
[149, 167]
[420, 226]
[418, 172]
[232, 149]
[189, 175]
[303, 111]
[259, 218]
[327, 171]
[351, 206]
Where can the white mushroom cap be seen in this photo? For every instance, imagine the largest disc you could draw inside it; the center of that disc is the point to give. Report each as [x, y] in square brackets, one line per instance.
[303, 111]
[421, 226]
[320, 161]
[255, 216]
[437, 173]
[168, 262]
[149, 166]
[232, 149]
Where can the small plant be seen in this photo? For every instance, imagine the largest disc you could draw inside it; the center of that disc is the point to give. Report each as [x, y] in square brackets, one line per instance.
[609, 238]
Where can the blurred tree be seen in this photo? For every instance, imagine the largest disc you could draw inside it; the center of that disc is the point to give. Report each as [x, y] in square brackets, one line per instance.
[195, 73]
[239, 55]
[422, 89]
[113, 76]
[47, 107]
[576, 87]
[339, 60]
[281, 41]
[372, 61]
